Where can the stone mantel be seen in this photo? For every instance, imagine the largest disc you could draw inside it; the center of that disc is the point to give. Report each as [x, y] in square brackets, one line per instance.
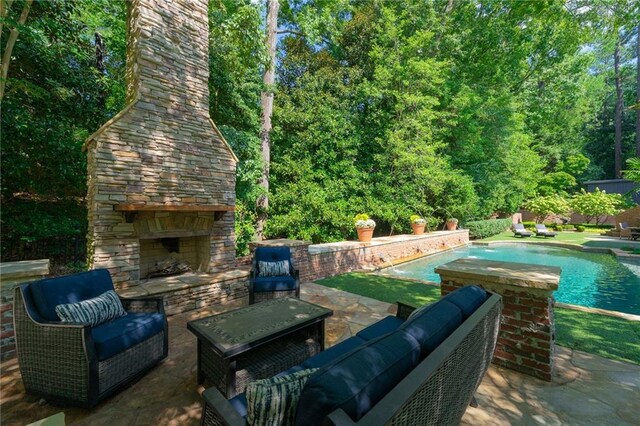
[524, 275]
[172, 208]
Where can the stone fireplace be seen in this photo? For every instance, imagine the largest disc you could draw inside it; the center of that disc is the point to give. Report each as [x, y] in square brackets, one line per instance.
[161, 177]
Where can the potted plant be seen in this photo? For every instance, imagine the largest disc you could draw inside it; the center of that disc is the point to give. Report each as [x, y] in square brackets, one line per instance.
[417, 224]
[365, 227]
[452, 224]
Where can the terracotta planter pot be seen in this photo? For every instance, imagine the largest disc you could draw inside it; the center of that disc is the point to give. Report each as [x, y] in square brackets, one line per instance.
[418, 229]
[365, 234]
[451, 225]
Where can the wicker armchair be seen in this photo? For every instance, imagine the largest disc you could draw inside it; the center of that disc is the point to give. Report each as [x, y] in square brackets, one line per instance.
[263, 288]
[63, 362]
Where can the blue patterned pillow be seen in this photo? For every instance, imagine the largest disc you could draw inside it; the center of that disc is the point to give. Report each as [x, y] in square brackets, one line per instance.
[94, 311]
[273, 269]
[273, 401]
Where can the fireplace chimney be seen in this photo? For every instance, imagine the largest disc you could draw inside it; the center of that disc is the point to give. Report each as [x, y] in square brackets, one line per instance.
[160, 168]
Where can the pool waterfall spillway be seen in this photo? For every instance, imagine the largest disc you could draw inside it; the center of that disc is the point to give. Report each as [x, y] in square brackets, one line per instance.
[527, 331]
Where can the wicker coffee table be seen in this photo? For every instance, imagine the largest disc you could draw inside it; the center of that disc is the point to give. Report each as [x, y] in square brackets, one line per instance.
[257, 342]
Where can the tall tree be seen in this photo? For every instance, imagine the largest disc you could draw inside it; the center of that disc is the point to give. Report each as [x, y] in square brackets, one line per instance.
[5, 5]
[618, 110]
[637, 106]
[269, 79]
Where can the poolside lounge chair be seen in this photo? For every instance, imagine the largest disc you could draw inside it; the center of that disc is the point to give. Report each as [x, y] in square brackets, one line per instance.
[520, 231]
[542, 231]
[625, 231]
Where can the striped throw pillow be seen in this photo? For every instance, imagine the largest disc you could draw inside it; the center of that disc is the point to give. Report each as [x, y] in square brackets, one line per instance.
[272, 402]
[273, 269]
[94, 311]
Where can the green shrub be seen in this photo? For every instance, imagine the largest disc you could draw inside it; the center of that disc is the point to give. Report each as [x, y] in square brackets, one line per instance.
[487, 228]
[529, 224]
[594, 226]
[580, 228]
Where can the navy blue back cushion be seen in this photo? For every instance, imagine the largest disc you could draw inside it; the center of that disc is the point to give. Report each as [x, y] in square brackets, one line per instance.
[356, 381]
[379, 328]
[468, 299]
[432, 325]
[51, 292]
[272, 254]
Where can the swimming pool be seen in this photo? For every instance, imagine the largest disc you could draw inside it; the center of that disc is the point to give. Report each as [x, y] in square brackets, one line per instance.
[588, 279]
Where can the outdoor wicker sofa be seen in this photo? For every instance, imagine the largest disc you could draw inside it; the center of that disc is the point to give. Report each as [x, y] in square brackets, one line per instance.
[457, 337]
[75, 363]
[263, 287]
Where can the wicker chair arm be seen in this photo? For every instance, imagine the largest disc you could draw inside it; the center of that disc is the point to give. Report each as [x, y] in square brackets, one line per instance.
[295, 273]
[404, 310]
[145, 305]
[218, 411]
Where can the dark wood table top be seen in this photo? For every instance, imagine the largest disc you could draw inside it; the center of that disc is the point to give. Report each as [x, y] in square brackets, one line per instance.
[236, 331]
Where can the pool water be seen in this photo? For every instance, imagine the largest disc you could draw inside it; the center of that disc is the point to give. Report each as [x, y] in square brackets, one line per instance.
[587, 279]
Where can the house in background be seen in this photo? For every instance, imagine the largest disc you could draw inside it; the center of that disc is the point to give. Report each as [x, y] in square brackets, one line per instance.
[615, 186]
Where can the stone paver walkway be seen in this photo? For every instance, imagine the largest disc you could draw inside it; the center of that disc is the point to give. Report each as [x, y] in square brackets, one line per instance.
[588, 390]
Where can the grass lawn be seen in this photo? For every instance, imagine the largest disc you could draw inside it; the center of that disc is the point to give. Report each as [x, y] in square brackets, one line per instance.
[602, 335]
[570, 237]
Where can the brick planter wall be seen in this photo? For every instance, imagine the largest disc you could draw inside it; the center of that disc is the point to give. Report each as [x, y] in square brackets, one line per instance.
[317, 261]
[527, 331]
[12, 274]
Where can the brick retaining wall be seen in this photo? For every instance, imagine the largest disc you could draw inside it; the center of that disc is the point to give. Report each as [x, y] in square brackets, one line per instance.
[317, 261]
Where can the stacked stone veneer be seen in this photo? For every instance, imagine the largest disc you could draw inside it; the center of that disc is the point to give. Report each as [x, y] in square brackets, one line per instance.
[324, 260]
[162, 150]
[12, 274]
[527, 330]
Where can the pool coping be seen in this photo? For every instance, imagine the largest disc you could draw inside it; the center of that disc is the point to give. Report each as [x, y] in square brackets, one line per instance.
[604, 250]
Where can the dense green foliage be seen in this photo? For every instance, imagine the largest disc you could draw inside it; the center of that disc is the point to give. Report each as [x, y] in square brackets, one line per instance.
[487, 228]
[441, 109]
[544, 206]
[596, 204]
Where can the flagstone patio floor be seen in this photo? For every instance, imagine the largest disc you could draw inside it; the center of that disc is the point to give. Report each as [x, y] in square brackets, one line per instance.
[587, 389]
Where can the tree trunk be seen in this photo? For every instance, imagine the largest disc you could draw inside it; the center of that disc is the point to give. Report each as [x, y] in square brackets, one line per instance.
[11, 41]
[618, 113]
[100, 53]
[638, 91]
[262, 203]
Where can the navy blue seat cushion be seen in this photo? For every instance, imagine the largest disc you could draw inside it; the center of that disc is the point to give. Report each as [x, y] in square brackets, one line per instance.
[384, 326]
[468, 299]
[113, 337]
[359, 379]
[51, 292]
[433, 324]
[334, 352]
[286, 282]
[239, 403]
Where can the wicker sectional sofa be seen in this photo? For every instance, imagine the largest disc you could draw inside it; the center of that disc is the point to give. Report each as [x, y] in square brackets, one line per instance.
[75, 363]
[420, 369]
